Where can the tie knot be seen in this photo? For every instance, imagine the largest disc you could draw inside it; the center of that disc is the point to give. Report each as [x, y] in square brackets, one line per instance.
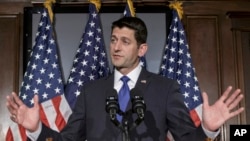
[125, 79]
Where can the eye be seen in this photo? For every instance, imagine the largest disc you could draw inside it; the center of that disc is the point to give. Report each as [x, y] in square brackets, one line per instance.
[112, 40]
[126, 42]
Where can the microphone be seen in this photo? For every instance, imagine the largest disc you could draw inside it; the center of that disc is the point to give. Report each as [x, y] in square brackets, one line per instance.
[138, 104]
[112, 105]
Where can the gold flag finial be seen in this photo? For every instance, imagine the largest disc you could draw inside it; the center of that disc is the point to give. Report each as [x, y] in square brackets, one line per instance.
[97, 3]
[176, 5]
[131, 8]
[48, 4]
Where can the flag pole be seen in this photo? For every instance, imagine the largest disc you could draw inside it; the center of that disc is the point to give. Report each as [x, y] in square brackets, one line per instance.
[177, 5]
[48, 4]
[131, 8]
[97, 4]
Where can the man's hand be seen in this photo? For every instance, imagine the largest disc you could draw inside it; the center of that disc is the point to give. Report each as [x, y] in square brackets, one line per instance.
[23, 115]
[214, 116]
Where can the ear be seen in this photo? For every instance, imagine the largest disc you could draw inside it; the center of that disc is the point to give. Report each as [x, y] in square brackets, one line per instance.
[142, 49]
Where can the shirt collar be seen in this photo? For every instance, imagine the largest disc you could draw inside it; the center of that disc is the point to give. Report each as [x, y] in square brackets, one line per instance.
[133, 75]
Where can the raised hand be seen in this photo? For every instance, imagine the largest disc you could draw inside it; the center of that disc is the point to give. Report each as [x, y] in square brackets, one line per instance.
[214, 116]
[21, 114]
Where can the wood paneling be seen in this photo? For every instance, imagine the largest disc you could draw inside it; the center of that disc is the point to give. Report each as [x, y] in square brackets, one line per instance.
[202, 32]
[203, 37]
[13, 7]
[241, 36]
[246, 69]
[9, 62]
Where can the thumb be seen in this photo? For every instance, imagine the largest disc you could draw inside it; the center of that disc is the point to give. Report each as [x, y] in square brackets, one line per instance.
[205, 99]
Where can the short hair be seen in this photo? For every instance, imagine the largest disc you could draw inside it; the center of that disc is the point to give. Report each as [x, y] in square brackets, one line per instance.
[135, 24]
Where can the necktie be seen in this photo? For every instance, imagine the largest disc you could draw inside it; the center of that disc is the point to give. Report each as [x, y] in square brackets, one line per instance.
[123, 96]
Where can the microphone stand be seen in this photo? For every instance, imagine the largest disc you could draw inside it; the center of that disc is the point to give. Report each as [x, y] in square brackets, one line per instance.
[112, 108]
[123, 126]
[125, 133]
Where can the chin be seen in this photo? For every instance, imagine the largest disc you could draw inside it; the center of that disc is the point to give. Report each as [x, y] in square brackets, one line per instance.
[116, 63]
[117, 66]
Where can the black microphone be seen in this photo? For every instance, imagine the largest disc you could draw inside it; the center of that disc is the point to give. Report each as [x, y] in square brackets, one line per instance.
[138, 104]
[112, 105]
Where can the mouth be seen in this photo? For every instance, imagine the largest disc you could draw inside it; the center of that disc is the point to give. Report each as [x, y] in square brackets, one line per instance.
[116, 56]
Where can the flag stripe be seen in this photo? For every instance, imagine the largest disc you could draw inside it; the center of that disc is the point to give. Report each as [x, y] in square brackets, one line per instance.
[9, 135]
[50, 113]
[63, 108]
[15, 133]
[59, 121]
[43, 116]
[196, 115]
[22, 132]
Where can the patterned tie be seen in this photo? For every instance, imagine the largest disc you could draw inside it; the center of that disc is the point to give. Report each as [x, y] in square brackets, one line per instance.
[123, 96]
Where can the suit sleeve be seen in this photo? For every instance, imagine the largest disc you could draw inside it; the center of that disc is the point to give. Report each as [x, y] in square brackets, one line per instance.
[75, 127]
[179, 121]
[48, 133]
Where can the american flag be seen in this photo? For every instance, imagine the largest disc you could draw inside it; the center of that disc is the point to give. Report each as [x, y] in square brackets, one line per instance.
[43, 77]
[177, 64]
[130, 12]
[91, 60]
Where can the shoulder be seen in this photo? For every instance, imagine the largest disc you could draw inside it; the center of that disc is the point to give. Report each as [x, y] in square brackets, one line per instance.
[156, 81]
[157, 77]
[102, 82]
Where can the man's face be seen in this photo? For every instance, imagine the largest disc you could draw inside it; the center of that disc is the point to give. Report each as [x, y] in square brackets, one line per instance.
[124, 50]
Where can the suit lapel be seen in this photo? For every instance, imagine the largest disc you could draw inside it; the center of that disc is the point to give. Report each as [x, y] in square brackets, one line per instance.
[143, 81]
[108, 84]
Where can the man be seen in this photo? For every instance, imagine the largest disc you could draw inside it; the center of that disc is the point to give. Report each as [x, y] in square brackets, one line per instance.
[165, 109]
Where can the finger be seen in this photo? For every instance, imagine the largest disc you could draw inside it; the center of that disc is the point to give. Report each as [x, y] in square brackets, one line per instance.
[11, 105]
[225, 94]
[236, 112]
[8, 101]
[11, 111]
[17, 100]
[232, 98]
[235, 102]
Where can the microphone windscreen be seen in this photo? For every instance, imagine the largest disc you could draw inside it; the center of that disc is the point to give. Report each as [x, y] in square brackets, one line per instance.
[111, 100]
[138, 104]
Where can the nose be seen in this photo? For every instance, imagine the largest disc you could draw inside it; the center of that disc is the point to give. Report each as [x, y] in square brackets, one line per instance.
[116, 46]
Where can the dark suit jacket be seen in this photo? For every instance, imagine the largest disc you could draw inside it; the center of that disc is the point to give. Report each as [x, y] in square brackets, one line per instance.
[165, 111]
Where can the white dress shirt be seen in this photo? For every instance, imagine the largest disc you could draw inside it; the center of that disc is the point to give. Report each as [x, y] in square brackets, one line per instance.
[133, 76]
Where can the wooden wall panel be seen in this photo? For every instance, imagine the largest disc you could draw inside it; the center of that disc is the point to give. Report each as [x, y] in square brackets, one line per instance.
[9, 62]
[246, 69]
[241, 37]
[202, 33]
